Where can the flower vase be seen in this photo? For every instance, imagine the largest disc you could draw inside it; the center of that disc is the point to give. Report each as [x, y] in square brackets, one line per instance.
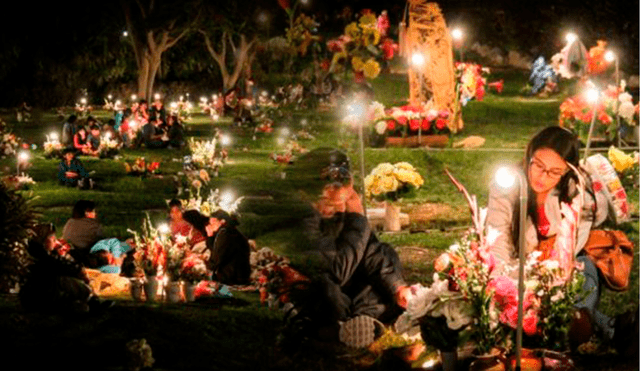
[189, 291]
[449, 360]
[529, 361]
[492, 361]
[136, 289]
[150, 287]
[391, 217]
[173, 290]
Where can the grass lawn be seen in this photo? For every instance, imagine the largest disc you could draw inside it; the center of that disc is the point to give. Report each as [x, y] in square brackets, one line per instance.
[242, 335]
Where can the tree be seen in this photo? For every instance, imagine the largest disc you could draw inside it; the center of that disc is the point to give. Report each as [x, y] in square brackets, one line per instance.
[230, 28]
[154, 27]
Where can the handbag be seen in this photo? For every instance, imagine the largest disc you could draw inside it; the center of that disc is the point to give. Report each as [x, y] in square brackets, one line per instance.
[612, 253]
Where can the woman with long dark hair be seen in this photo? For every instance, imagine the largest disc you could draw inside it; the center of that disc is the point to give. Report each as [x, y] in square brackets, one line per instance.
[552, 170]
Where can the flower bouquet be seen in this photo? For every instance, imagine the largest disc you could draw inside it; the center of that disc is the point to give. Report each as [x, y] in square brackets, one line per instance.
[391, 182]
[626, 166]
[471, 82]
[150, 247]
[52, 147]
[361, 48]
[193, 269]
[108, 147]
[9, 143]
[212, 203]
[141, 167]
[204, 154]
[18, 182]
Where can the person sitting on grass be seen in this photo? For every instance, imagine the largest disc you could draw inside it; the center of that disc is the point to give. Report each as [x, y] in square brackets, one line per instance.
[175, 132]
[56, 282]
[360, 280]
[83, 230]
[94, 138]
[179, 226]
[107, 255]
[149, 138]
[69, 130]
[71, 172]
[81, 142]
[229, 249]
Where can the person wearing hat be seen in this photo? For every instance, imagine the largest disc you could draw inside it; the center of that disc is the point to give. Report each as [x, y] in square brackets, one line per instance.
[229, 249]
[71, 172]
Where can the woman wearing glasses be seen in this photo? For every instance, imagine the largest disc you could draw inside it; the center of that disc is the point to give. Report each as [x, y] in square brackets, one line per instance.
[550, 159]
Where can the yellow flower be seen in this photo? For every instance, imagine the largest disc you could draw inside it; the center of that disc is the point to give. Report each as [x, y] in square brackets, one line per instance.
[405, 176]
[405, 166]
[352, 30]
[382, 169]
[389, 183]
[371, 69]
[371, 36]
[357, 64]
[620, 160]
[339, 58]
[368, 20]
[205, 208]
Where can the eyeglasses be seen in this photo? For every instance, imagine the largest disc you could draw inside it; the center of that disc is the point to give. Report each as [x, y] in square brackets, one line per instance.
[553, 173]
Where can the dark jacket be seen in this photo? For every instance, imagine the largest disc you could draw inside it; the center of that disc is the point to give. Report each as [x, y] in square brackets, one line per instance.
[361, 274]
[229, 260]
[76, 166]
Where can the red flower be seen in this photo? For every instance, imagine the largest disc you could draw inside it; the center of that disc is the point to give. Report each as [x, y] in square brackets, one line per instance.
[441, 124]
[505, 291]
[604, 118]
[414, 124]
[388, 48]
[284, 4]
[498, 85]
[335, 45]
[480, 92]
[530, 323]
[391, 125]
[509, 316]
[325, 65]
[426, 125]
[402, 120]
[359, 77]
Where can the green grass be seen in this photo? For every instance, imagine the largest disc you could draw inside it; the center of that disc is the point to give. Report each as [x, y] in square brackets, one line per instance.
[204, 337]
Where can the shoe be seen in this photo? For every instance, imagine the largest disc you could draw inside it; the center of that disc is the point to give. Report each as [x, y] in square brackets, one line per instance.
[626, 335]
[359, 332]
[581, 328]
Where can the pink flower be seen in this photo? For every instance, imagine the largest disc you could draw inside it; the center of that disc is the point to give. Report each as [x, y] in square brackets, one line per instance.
[402, 120]
[505, 291]
[441, 124]
[509, 316]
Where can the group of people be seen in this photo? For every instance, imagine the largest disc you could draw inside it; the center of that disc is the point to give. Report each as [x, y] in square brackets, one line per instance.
[362, 281]
[58, 278]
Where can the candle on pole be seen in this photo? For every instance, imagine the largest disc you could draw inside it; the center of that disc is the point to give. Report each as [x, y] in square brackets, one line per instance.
[457, 35]
[22, 158]
[506, 178]
[357, 110]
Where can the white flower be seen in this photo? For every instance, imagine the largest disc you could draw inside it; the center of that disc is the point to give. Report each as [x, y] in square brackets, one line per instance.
[551, 264]
[455, 247]
[557, 297]
[381, 127]
[377, 110]
[626, 111]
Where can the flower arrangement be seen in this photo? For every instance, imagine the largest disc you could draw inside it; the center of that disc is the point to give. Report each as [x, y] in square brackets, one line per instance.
[204, 153]
[182, 109]
[52, 147]
[18, 182]
[387, 181]
[108, 147]
[543, 78]
[361, 48]
[300, 34]
[626, 166]
[174, 257]
[471, 83]
[576, 112]
[193, 269]
[9, 143]
[150, 249]
[215, 201]
[141, 167]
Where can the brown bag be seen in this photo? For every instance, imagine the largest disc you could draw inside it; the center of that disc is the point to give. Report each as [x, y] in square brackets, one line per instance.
[612, 253]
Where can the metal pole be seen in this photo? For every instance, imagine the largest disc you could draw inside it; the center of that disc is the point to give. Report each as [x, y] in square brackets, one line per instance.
[619, 140]
[521, 261]
[593, 121]
[362, 173]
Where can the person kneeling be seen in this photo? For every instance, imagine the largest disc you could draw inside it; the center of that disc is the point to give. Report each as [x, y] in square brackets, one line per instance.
[72, 173]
